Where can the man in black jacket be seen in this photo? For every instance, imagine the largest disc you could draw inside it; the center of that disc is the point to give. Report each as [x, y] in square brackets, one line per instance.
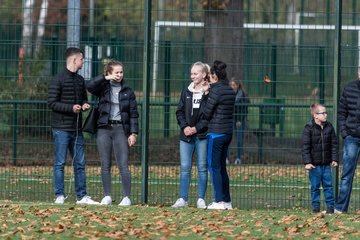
[348, 116]
[67, 98]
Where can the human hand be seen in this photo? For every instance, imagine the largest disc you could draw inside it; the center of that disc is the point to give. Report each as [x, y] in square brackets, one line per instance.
[85, 106]
[76, 108]
[131, 140]
[309, 166]
[187, 131]
[334, 164]
[112, 76]
[193, 130]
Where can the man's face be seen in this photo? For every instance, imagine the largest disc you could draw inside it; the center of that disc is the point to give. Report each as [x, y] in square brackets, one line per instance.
[78, 61]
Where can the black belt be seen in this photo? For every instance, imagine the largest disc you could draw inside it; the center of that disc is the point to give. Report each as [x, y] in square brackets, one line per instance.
[115, 122]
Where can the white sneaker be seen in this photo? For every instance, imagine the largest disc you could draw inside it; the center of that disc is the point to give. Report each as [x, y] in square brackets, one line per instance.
[217, 206]
[237, 161]
[227, 161]
[87, 201]
[180, 203]
[338, 212]
[106, 200]
[125, 202]
[228, 205]
[60, 199]
[201, 203]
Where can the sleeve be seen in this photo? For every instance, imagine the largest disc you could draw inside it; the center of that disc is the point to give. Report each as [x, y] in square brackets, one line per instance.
[334, 146]
[85, 96]
[306, 145]
[54, 97]
[342, 115]
[96, 85]
[134, 114]
[202, 123]
[210, 105]
[180, 112]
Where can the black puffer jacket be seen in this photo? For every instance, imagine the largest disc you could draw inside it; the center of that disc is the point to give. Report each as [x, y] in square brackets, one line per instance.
[319, 145]
[184, 117]
[65, 90]
[349, 110]
[101, 88]
[219, 108]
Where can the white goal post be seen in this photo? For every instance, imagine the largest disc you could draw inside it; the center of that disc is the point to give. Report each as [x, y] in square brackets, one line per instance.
[295, 27]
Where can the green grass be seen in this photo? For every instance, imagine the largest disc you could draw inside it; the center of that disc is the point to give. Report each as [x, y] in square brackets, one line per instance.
[25, 220]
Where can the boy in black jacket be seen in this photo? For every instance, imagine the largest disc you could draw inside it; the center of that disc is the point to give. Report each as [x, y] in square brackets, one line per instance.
[319, 151]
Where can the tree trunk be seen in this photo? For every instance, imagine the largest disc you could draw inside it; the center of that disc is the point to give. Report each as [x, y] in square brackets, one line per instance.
[41, 25]
[224, 37]
[27, 28]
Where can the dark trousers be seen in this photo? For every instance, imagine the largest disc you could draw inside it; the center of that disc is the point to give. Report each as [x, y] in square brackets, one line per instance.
[218, 145]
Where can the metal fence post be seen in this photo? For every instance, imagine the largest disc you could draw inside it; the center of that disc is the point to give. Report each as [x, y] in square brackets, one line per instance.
[321, 75]
[14, 132]
[337, 75]
[145, 104]
[167, 89]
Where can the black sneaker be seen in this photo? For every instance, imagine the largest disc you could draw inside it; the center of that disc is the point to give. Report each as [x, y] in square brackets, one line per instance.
[316, 210]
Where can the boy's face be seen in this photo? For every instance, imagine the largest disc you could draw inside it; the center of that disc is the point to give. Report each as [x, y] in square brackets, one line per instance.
[320, 114]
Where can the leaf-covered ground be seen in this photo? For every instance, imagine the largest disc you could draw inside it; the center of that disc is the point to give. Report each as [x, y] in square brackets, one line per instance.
[49, 221]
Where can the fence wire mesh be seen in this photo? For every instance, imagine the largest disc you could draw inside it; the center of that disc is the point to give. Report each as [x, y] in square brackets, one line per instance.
[289, 42]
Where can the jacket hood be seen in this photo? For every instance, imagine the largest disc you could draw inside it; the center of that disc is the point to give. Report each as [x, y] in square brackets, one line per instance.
[192, 89]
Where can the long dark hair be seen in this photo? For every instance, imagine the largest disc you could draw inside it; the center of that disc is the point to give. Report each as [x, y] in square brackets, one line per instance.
[219, 69]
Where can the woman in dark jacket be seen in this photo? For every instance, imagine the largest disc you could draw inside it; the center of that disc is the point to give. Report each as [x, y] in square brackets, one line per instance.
[319, 152]
[193, 134]
[240, 117]
[219, 112]
[117, 126]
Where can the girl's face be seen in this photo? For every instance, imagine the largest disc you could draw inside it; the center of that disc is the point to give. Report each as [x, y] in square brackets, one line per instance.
[197, 75]
[118, 73]
[320, 114]
[234, 86]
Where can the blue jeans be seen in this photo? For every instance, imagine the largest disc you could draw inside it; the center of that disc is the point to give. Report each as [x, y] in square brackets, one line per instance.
[186, 156]
[351, 155]
[218, 145]
[74, 142]
[239, 131]
[321, 175]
